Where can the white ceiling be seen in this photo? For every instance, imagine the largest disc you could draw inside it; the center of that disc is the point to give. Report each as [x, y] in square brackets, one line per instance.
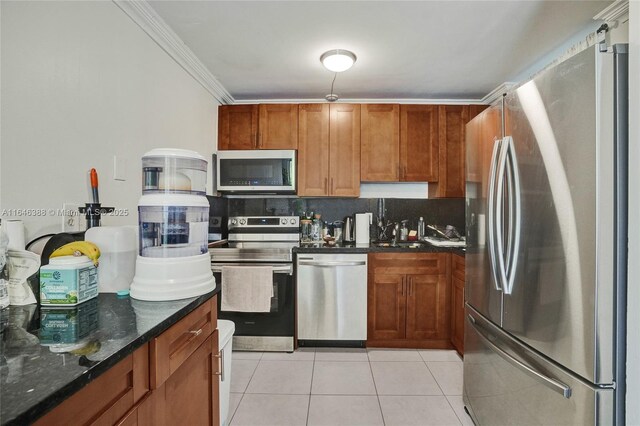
[406, 50]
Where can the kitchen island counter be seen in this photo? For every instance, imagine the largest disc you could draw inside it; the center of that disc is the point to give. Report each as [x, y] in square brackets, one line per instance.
[48, 354]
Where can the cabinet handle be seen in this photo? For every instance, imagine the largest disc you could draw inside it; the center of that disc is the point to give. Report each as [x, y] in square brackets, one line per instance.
[194, 333]
[255, 141]
[326, 186]
[220, 373]
[402, 287]
[260, 140]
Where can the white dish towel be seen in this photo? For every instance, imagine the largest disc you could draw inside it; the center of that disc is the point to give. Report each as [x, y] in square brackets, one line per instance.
[247, 288]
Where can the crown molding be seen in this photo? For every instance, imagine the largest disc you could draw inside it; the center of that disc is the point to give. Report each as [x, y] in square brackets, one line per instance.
[364, 101]
[614, 11]
[497, 93]
[151, 23]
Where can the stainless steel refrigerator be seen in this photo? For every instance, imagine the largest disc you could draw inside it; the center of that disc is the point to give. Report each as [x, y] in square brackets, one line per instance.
[546, 257]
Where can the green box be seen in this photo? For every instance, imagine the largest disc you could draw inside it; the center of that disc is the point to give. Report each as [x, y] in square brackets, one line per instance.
[61, 285]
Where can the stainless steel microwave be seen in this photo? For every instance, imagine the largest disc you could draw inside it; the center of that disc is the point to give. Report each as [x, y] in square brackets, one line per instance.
[265, 171]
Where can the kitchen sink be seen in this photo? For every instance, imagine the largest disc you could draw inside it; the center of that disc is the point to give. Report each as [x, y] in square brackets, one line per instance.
[403, 244]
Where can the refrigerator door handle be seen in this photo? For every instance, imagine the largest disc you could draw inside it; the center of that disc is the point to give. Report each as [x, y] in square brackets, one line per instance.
[499, 214]
[515, 213]
[549, 382]
[491, 214]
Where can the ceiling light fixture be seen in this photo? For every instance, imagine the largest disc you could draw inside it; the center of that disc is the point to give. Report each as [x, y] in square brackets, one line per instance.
[338, 60]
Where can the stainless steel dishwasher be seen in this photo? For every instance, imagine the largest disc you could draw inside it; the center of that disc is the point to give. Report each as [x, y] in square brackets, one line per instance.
[332, 299]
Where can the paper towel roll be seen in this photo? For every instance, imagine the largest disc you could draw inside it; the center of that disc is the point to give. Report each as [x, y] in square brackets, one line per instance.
[363, 220]
[15, 231]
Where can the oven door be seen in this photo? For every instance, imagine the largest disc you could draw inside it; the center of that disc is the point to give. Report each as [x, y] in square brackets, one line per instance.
[263, 171]
[280, 320]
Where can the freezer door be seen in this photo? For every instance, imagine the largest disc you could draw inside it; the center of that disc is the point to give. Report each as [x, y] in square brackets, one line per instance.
[483, 138]
[559, 296]
[505, 383]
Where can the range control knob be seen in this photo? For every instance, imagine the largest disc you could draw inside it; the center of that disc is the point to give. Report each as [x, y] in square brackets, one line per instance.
[234, 222]
[283, 221]
[292, 221]
[243, 221]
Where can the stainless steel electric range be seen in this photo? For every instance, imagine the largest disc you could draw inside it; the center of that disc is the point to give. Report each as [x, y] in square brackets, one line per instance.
[262, 241]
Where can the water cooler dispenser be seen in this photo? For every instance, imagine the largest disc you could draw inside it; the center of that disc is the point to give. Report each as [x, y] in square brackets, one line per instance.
[173, 261]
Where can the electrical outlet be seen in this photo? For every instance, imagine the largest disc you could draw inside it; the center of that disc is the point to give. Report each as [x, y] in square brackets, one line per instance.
[72, 220]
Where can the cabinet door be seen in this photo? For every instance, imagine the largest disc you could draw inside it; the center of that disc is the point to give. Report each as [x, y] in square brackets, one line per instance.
[180, 341]
[386, 307]
[237, 127]
[428, 307]
[107, 399]
[313, 150]
[344, 164]
[457, 314]
[190, 391]
[419, 143]
[278, 126]
[451, 129]
[457, 302]
[474, 151]
[380, 144]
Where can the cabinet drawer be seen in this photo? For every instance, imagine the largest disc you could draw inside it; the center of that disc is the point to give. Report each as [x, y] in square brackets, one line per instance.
[408, 263]
[174, 346]
[457, 267]
[107, 398]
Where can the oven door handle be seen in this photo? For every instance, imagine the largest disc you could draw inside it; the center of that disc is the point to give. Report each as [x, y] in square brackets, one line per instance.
[277, 269]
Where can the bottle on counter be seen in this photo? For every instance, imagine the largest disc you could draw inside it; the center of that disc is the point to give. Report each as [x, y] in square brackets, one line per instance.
[404, 230]
[421, 228]
[316, 228]
[306, 233]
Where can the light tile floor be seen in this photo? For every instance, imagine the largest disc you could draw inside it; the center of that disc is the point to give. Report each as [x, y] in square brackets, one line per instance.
[332, 386]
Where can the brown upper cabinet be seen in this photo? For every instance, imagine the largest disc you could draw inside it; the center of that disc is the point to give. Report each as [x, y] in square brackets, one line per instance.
[278, 126]
[380, 144]
[419, 143]
[329, 150]
[265, 126]
[237, 127]
[481, 133]
[452, 120]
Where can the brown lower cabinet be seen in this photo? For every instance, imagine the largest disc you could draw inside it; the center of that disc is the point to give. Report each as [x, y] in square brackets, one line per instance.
[409, 300]
[457, 302]
[171, 380]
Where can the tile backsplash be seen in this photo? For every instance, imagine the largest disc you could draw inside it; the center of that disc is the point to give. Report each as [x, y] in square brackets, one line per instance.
[444, 211]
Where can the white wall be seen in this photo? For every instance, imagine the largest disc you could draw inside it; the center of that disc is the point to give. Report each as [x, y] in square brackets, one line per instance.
[633, 295]
[81, 83]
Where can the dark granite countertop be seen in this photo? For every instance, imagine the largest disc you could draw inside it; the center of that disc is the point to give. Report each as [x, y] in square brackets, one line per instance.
[372, 248]
[47, 354]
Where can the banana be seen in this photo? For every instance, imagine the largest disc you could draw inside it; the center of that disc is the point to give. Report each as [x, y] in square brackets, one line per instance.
[79, 248]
